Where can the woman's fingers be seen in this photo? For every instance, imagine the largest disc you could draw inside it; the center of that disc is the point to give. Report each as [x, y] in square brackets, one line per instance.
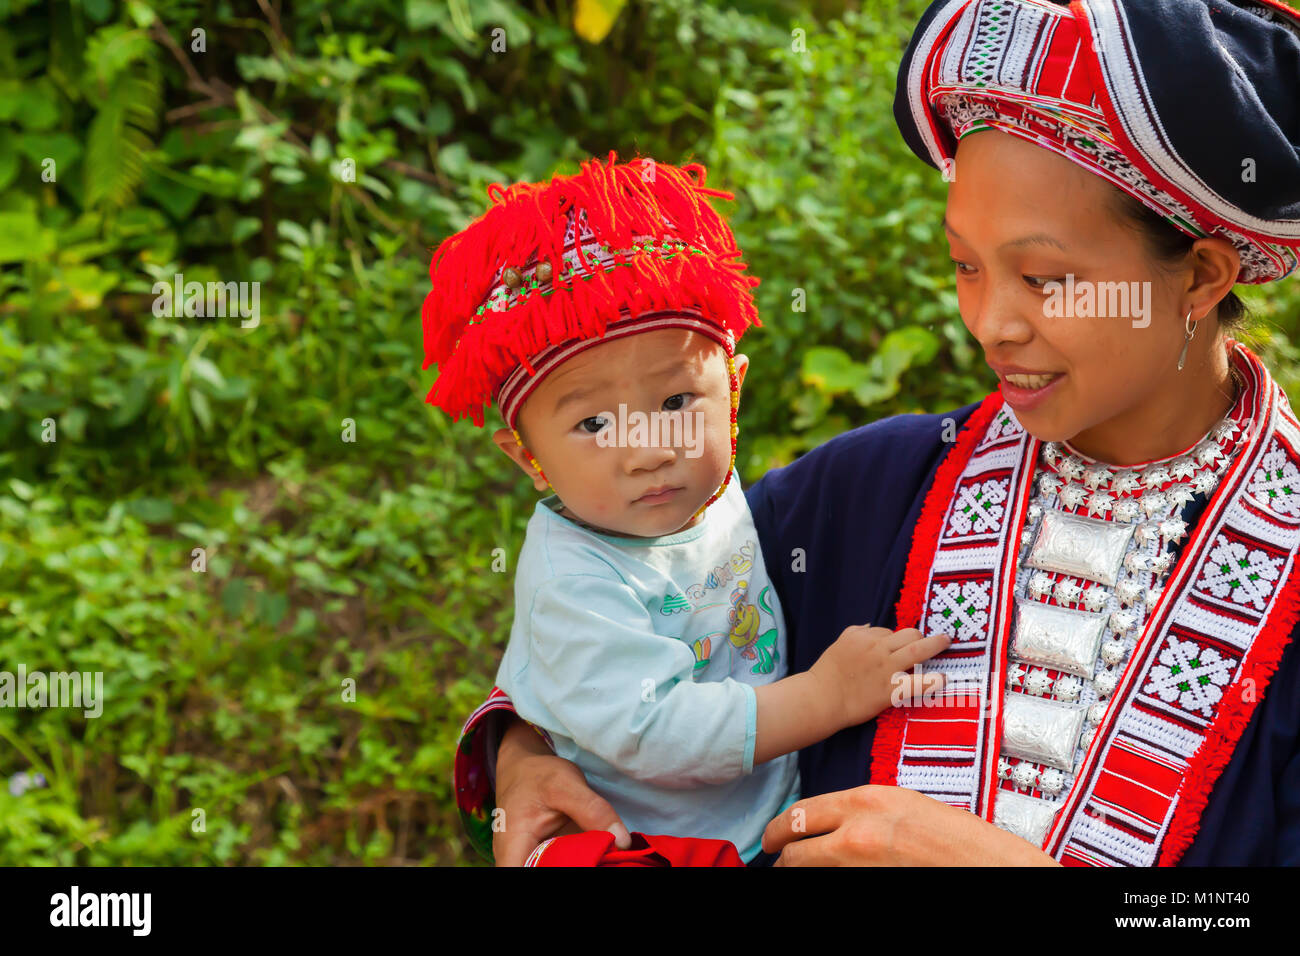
[556, 802]
[813, 852]
[510, 847]
[590, 811]
[819, 814]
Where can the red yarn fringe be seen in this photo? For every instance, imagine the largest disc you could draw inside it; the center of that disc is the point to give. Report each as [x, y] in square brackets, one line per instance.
[1230, 723]
[529, 220]
[890, 725]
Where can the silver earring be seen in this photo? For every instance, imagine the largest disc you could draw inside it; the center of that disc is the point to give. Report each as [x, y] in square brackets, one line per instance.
[1190, 330]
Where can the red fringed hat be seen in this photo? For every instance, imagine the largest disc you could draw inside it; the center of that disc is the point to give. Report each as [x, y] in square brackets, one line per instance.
[552, 268]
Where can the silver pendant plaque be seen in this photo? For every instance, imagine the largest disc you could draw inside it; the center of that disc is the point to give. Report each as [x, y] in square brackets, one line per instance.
[1081, 547]
[1027, 817]
[1058, 637]
[1043, 731]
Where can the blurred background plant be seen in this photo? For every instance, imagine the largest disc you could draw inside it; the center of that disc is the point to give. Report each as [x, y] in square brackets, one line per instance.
[323, 155]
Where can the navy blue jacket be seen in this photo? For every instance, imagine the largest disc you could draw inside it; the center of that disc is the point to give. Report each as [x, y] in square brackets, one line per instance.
[851, 505]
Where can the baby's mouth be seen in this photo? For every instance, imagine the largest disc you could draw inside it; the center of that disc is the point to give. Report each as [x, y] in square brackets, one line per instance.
[658, 495]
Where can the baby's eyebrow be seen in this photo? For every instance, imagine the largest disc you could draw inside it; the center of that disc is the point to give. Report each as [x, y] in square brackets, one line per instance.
[575, 394]
[581, 391]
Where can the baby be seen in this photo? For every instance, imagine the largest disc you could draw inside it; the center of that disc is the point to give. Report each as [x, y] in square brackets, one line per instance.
[601, 312]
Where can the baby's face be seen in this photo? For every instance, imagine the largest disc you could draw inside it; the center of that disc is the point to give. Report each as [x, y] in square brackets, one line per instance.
[606, 470]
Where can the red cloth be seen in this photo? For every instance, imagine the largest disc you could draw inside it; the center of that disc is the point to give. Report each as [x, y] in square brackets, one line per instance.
[596, 848]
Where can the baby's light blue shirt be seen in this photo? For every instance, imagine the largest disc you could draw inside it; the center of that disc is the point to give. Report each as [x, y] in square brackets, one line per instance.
[640, 657]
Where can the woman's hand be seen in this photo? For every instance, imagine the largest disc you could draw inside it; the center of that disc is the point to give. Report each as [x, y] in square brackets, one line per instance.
[891, 826]
[541, 796]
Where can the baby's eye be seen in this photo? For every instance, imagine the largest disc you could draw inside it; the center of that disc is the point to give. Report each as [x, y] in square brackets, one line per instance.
[674, 403]
[592, 425]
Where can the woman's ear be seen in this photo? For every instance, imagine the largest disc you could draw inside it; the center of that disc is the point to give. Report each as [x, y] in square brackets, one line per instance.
[1216, 265]
[505, 440]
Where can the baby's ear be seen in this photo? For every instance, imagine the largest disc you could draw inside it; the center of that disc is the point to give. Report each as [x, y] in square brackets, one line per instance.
[742, 365]
[505, 440]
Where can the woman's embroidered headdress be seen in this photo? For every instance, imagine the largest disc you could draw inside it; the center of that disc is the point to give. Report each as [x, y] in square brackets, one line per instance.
[1191, 106]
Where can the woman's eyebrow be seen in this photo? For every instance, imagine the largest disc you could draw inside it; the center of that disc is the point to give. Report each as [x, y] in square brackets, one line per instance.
[1035, 239]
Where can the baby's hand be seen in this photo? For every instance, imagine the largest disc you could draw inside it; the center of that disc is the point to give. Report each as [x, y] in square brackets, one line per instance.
[868, 668]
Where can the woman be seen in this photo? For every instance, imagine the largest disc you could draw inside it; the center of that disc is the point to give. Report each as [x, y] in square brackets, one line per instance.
[1111, 538]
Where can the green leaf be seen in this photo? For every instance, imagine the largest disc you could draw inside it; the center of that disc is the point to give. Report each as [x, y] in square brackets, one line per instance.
[831, 369]
[23, 239]
[234, 596]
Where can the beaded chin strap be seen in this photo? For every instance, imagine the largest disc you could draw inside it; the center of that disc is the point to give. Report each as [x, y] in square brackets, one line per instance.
[734, 384]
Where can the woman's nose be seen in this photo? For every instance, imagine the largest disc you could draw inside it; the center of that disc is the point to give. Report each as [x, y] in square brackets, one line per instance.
[999, 319]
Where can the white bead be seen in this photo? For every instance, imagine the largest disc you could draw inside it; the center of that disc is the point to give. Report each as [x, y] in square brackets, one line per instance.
[1224, 430]
[1040, 584]
[1051, 781]
[1097, 712]
[1024, 774]
[1035, 511]
[1094, 599]
[1123, 621]
[1126, 509]
[1038, 683]
[1068, 688]
[1135, 561]
[1099, 503]
[1153, 595]
[1205, 482]
[1208, 452]
[1051, 451]
[1160, 563]
[1126, 481]
[1066, 591]
[1112, 652]
[1072, 496]
[1173, 529]
[1153, 502]
[1096, 476]
[1026, 538]
[1105, 683]
[1155, 476]
[1182, 467]
[1146, 532]
[1128, 591]
[1049, 484]
[1004, 768]
[1087, 737]
[1015, 675]
[1179, 495]
[1071, 468]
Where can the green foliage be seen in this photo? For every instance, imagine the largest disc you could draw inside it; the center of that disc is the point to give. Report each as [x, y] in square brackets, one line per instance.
[133, 148]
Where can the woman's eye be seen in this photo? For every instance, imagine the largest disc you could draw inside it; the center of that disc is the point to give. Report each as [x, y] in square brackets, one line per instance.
[675, 403]
[963, 268]
[592, 425]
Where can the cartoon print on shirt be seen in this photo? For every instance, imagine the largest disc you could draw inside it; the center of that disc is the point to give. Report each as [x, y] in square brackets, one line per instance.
[743, 627]
[745, 622]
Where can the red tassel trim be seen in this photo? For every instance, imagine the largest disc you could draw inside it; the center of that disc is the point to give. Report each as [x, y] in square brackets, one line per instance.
[890, 725]
[527, 222]
[1230, 723]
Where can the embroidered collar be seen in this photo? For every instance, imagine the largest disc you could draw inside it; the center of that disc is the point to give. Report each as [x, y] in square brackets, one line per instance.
[1119, 714]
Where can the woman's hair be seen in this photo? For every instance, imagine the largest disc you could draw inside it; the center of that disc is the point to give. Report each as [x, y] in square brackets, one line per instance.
[1168, 244]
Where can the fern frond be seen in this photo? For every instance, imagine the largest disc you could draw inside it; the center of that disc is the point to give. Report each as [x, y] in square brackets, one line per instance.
[121, 134]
